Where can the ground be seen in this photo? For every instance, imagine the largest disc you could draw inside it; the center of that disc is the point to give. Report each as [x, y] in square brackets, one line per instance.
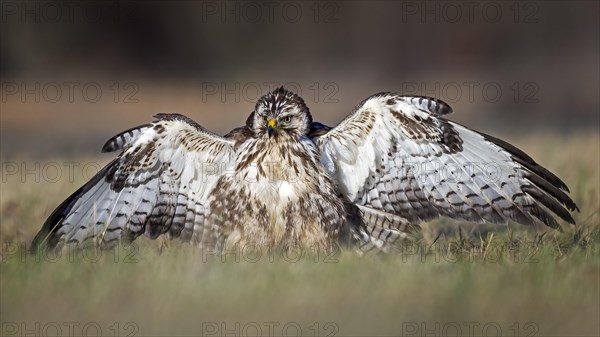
[514, 281]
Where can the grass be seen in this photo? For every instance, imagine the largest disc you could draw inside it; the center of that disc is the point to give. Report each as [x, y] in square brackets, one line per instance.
[515, 281]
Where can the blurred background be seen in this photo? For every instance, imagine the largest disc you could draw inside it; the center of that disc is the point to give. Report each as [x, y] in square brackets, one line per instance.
[73, 74]
[76, 73]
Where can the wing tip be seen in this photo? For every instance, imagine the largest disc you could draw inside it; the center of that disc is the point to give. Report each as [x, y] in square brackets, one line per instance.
[45, 238]
[109, 146]
[544, 180]
[524, 159]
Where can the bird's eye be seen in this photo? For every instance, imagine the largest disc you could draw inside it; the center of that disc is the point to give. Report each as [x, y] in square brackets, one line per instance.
[287, 119]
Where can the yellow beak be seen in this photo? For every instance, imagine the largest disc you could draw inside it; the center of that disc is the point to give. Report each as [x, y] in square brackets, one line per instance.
[271, 125]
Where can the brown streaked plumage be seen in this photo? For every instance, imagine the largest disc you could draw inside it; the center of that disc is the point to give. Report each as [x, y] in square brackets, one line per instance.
[284, 180]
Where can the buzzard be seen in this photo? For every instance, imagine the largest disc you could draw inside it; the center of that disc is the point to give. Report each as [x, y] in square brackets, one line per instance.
[284, 179]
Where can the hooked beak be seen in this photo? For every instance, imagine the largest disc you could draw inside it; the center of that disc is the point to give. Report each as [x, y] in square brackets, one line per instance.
[271, 125]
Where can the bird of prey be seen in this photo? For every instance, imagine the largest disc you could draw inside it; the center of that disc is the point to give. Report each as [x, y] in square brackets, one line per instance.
[286, 180]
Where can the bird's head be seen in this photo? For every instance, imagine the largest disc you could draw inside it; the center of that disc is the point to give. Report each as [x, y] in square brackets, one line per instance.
[280, 114]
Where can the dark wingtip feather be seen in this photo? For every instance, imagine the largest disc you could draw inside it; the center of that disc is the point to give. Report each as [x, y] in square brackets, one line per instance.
[557, 193]
[45, 238]
[528, 162]
[548, 201]
[109, 146]
[547, 188]
[521, 217]
[543, 216]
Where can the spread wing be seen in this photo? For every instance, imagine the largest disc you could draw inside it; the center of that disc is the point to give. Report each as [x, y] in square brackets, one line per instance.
[160, 182]
[398, 156]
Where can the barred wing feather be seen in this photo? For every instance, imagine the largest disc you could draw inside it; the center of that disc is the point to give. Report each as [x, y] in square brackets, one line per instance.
[161, 182]
[399, 155]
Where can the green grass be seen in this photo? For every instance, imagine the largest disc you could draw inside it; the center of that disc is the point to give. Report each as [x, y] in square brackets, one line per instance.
[515, 280]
